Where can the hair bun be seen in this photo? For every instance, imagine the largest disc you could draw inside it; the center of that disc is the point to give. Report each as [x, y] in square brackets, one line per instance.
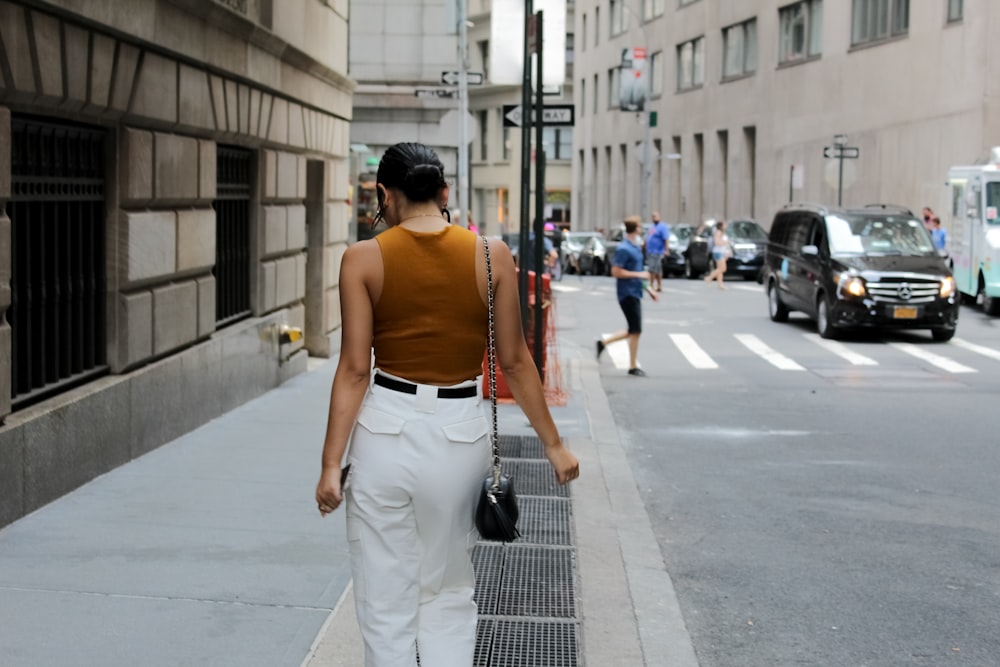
[423, 182]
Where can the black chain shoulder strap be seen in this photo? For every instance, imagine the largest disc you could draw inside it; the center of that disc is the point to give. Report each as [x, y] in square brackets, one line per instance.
[491, 360]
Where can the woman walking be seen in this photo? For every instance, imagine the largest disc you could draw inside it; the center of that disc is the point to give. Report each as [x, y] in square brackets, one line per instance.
[721, 251]
[417, 295]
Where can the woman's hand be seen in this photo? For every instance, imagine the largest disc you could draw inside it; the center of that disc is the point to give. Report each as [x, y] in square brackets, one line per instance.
[563, 462]
[329, 495]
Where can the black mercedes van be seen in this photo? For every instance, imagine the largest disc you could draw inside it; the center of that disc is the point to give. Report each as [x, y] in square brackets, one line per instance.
[874, 266]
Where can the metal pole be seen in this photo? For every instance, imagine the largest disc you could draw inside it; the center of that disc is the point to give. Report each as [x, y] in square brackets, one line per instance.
[539, 194]
[647, 169]
[522, 278]
[791, 182]
[463, 112]
[840, 180]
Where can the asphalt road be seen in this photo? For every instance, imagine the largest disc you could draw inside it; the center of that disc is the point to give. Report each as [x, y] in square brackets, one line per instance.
[815, 505]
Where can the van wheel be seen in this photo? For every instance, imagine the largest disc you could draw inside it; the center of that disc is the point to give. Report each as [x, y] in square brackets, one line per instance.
[597, 268]
[776, 309]
[823, 324]
[942, 335]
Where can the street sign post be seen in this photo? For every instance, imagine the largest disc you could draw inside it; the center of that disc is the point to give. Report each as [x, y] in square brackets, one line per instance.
[452, 78]
[841, 151]
[553, 115]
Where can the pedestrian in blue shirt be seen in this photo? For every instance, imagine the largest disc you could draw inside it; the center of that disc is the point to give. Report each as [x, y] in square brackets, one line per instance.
[627, 268]
[938, 234]
[657, 245]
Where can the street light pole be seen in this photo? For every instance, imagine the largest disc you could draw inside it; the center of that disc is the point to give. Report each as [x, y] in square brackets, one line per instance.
[463, 112]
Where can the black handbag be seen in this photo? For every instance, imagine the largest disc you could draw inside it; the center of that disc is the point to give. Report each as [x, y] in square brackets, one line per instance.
[496, 510]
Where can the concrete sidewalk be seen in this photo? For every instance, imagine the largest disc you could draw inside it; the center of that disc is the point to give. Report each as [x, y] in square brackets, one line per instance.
[209, 550]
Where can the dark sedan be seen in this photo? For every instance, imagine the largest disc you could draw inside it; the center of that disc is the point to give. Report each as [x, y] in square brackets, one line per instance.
[748, 241]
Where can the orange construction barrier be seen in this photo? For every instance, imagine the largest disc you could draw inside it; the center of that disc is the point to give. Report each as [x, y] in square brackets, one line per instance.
[551, 375]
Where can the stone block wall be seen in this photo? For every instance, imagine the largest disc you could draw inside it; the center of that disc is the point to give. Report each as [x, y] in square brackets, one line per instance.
[172, 80]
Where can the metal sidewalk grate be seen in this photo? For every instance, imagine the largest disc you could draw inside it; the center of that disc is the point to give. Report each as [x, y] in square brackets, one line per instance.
[485, 630]
[538, 581]
[487, 561]
[534, 644]
[534, 478]
[521, 447]
[545, 521]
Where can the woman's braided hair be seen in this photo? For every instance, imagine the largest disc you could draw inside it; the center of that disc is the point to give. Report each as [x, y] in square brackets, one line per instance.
[414, 169]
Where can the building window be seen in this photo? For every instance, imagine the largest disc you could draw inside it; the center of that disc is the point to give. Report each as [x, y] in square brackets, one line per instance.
[619, 19]
[877, 20]
[234, 170]
[656, 74]
[58, 283]
[570, 40]
[484, 135]
[583, 33]
[801, 30]
[651, 9]
[557, 142]
[597, 25]
[506, 144]
[691, 64]
[954, 10]
[484, 57]
[614, 86]
[594, 94]
[739, 49]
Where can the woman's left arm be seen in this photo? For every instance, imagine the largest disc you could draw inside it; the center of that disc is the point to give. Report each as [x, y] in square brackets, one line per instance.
[353, 368]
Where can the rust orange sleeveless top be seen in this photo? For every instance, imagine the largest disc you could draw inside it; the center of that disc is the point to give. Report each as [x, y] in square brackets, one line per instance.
[430, 322]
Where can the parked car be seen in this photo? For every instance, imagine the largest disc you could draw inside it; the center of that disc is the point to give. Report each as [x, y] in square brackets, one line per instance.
[674, 260]
[867, 267]
[748, 241]
[594, 257]
[572, 246]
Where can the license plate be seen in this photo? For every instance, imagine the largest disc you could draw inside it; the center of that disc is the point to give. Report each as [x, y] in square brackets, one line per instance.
[904, 313]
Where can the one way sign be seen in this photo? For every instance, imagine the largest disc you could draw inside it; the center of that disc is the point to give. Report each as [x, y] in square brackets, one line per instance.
[553, 115]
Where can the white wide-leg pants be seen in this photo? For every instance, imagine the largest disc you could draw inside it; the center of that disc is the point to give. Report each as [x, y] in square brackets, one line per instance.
[417, 463]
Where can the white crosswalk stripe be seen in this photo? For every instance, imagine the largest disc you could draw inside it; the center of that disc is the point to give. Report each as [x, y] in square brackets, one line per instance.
[696, 356]
[700, 358]
[773, 357]
[942, 362]
[841, 350]
[978, 349]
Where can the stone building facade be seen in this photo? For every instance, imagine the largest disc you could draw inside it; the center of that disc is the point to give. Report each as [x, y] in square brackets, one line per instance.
[747, 95]
[174, 175]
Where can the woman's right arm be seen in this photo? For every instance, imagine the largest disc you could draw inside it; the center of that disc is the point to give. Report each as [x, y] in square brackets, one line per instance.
[351, 380]
[519, 367]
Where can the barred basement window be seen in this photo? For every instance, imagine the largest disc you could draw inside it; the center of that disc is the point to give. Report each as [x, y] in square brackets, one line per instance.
[232, 225]
[56, 208]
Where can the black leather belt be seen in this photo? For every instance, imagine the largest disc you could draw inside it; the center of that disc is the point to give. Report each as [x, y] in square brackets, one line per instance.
[408, 388]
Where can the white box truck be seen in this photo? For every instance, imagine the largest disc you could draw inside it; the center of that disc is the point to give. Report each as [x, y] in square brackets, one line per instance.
[974, 231]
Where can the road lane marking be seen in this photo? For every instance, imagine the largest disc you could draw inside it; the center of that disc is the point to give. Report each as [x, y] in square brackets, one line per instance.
[696, 356]
[776, 359]
[978, 349]
[617, 352]
[934, 359]
[565, 288]
[749, 288]
[841, 350]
